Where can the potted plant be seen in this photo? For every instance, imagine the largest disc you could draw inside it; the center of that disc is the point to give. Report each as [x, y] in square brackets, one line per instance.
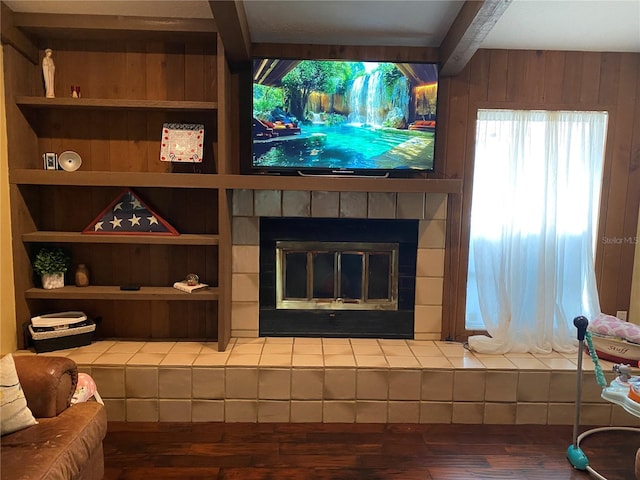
[51, 263]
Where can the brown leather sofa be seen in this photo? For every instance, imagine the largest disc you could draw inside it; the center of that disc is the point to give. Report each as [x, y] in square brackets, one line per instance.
[67, 441]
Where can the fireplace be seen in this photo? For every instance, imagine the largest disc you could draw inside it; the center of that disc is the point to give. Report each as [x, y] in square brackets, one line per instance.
[337, 277]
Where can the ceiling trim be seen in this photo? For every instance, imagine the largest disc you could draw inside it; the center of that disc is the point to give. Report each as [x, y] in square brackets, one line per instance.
[233, 28]
[474, 21]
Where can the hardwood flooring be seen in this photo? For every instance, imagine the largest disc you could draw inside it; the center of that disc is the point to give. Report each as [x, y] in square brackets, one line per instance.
[238, 451]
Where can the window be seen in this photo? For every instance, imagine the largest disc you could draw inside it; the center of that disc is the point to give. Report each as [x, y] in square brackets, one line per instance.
[535, 202]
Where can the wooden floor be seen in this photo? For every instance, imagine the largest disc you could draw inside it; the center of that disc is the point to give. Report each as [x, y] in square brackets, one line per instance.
[226, 451]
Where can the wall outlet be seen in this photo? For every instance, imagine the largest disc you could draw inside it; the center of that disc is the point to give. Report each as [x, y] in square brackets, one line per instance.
[622, 315]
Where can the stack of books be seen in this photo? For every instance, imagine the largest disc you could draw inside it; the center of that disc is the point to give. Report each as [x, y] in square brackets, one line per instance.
[184, 287]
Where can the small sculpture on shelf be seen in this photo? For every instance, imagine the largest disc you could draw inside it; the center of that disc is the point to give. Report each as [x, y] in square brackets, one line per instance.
[82, 275]
[48, 71]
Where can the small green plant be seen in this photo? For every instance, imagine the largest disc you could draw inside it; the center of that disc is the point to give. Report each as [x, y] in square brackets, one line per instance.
[51, 260]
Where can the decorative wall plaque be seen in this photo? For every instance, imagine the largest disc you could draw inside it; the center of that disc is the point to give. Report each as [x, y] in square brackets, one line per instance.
[182, 142]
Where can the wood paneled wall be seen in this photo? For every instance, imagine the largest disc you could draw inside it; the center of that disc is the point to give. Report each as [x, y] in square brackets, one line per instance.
[553, 81]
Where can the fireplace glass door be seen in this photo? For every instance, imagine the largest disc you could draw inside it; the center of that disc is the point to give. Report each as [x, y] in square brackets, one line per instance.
[336, 275]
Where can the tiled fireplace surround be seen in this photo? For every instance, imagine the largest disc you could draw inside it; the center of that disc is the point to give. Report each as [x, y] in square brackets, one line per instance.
[423, 380]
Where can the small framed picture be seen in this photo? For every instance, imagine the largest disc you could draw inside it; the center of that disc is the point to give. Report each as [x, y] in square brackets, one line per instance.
[50, 161]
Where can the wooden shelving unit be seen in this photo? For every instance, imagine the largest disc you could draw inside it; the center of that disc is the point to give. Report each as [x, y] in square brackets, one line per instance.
[105, 292]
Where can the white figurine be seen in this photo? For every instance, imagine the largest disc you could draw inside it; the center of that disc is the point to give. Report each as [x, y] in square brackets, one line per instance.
[48, 70]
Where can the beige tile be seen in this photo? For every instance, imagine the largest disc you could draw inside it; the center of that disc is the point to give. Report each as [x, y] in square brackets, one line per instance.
[211, 359]
[452, 349]
[273, 411]
[208, 383]
[142, 410]
[559, 363]
[244, 287]
[382, 205]
[404, 412]
[371, 361]
[244, 315]
[431, 234]
[113, 358]
[296, 203]
[371, 411]
[249, 341]
[241, 359]
[427, 336]
[207, 411]
[179, 359]
[434, 362]
[242, 202]
[428, 318]
[307, 349]
[267, 203]
[241, 411]
[339, 383]
[338, 411]
[353, 204]
[212, 347]
[307, 341]
[307, 361]
[527, 363]
[330, 349]
[501, 386]
[533, 386]
[430, 262]
[307, 384]
[241, 383]
[109, 381]
[277, 348]
[499, 413]
[468, 412]
[562, 387]
[245, 259]
[404, 384]
[436, 412]
[426, 349]
[186, 347]
[249, 347]
[468, 386]
[591, 414]
[174, 410]
[336, 341]
[245, 231]
[437, 385]
[372, 384]
[174, 382]
[436, 206]
[149, 359]
[116, 409]
[428, 291]
[274, 383]
[367, 349]
[561, 413]
[620, 417]
[339, 361]
[141, 382]
[86, 358]
[252, 333]
[497, 363]
[306, 411]
[396, 350]
[410, 205]
[467, 362]
[278, 340]
[275, 360]
[325, 204]
[157, 347]
[125, 347]
[531, 413]
[403, 362]
[100, 346]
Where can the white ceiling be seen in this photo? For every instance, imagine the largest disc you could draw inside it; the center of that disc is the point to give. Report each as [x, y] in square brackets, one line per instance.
[589, 25]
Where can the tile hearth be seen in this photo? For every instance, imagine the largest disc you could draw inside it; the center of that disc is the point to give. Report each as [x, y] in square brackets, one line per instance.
[339, 380]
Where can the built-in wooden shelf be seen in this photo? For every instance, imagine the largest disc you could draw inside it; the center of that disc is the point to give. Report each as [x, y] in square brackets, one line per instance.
[76, 237]
[114, 293]
[114, 179]
[115, 104]
[249, 182]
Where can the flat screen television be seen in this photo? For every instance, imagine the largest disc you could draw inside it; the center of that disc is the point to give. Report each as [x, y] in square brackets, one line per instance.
[343, 117]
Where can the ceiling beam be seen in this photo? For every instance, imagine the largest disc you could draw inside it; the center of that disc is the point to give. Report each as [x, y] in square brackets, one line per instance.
[474, 21]
[233, 28]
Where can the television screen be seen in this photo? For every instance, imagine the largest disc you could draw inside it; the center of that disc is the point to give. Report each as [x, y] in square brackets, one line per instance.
[333, 116]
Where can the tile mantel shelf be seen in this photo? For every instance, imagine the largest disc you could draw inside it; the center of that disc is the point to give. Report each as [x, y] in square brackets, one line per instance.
[248, 182]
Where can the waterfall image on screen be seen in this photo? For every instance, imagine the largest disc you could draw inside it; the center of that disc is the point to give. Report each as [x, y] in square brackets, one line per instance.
[329, 115]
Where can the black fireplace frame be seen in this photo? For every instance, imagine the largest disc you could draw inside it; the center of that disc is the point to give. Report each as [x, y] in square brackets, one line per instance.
[398, 323]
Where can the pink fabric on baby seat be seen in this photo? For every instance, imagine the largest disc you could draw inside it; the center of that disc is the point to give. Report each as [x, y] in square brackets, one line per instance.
[614, 327]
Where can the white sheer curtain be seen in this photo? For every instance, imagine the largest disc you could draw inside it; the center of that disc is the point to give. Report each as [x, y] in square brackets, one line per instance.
[535, 202]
